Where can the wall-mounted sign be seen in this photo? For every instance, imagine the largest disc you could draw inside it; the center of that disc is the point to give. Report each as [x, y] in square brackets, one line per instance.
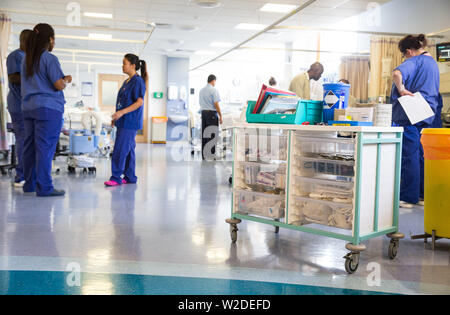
[158, 95]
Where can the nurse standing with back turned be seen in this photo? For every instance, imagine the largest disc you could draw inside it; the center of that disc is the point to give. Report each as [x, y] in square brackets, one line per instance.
[419, 73]
[43, 102]
[128, 119]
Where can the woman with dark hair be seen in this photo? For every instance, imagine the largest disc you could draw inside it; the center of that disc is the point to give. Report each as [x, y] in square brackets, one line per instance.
[128, 119]
[418, 73]
[42, 82]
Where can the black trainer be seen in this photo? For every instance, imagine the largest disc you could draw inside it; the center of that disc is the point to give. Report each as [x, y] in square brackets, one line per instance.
[55, 193]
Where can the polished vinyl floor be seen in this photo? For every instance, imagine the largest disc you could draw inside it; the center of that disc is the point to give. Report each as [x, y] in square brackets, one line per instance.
[167, 235]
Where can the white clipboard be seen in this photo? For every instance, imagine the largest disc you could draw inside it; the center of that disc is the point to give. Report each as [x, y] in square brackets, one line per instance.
[416, 108]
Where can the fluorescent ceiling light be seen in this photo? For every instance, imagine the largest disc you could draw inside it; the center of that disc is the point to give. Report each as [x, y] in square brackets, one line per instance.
[250, 27]
[100, 36]
[98, 15]
[221, 44]
[208, 3]
[278, 8]
[204, 52]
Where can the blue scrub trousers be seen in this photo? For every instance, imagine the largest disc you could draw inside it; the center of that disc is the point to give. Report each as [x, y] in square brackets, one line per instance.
[41, 138]
[412, 178]
[123, 160]
[19, 133]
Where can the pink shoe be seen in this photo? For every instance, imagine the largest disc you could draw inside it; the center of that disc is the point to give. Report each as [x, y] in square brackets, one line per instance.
[124, 182]
[111, 183]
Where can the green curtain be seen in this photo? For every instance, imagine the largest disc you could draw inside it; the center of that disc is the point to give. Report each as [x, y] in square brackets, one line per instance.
[5, 31]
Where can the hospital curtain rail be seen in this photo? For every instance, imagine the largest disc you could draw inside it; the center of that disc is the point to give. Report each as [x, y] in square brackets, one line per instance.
[5, 31]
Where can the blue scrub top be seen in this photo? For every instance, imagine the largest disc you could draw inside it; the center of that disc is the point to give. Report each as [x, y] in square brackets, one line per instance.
[38, 90]
[14, 65]
[128, 95]
[420, 74]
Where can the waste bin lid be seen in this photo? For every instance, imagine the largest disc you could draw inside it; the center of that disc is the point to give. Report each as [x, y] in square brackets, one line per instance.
[436, 131]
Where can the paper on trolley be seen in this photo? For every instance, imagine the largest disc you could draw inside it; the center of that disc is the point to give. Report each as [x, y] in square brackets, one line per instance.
[416, 108]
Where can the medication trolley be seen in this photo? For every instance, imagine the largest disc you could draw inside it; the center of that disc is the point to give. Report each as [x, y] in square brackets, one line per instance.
[341, 182]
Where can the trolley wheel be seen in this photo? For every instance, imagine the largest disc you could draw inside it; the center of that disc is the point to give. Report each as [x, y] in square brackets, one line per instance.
[85, 171]
[351, 262]
[233, 233]
[71, 170]
[393, 249]
[277, 229]
[92, 170]
[230, 180]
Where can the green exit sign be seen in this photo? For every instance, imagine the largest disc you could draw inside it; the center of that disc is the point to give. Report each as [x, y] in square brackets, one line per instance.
[158, 95]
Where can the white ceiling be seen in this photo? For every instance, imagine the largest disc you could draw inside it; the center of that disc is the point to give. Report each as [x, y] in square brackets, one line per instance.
[214, 24]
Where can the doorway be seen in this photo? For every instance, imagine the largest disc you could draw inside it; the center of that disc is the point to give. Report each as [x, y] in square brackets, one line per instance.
[108, 86]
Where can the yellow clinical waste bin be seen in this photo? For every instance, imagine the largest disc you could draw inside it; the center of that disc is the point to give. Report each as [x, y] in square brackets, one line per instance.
[436, 145]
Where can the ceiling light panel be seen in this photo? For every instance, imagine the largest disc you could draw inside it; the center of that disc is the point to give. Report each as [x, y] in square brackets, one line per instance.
[250, 27]
[221, 44]
[100, 36]
[278, 8]
[98, 15]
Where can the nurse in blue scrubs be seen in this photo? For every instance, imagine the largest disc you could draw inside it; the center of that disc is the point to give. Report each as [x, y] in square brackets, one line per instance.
[14, 65]
[43, 106]
[128, 119]
[419, 73]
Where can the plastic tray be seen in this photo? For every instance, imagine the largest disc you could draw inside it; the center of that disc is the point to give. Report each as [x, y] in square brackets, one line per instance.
[270, 176]
[307, 111]
[340, 192]
[310, 211]
[261, 204]
[309, 146]
[324, 169]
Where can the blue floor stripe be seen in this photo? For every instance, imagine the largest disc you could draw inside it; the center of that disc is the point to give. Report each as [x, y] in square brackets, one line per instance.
[55, 283]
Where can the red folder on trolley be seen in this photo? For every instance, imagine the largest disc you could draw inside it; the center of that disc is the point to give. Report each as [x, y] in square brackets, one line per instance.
[265, 92]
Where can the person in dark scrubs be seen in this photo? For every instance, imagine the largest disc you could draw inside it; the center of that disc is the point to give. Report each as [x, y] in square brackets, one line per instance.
[42, 81]
[14, 65]
[418, 73]
[129, 118]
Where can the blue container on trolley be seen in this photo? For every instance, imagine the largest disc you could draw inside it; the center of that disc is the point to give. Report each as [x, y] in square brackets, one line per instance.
[335, 96]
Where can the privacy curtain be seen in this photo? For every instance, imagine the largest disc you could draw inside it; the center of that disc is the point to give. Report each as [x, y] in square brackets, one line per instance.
[356, 70]
[5, 30]
[384, 58]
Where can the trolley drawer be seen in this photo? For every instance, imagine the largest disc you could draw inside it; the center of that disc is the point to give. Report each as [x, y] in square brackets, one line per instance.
[263, 148]
[324, 168]
[264, 176]
[336, 148]
[340, 192]
[307, 211]
[262, 204]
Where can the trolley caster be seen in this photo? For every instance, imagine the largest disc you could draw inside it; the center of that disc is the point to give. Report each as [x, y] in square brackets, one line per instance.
[393, 249]
[394, 244]
[277, 228]
[230, 180]
[85, 171]
[92, 170]
[233, 228]
[351, 262]
[352, 258]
